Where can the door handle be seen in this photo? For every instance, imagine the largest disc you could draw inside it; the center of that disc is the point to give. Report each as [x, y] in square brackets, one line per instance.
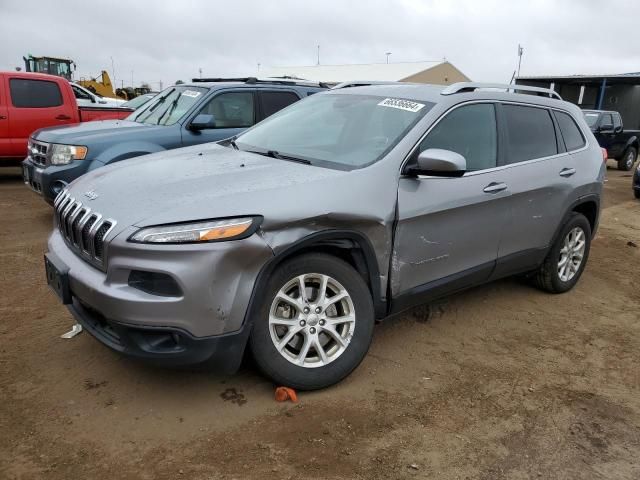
[567, 172]
[2, 117]
[63, 117]
[494, 187]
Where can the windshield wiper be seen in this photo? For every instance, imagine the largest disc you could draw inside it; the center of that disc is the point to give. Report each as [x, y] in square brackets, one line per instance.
[151, 109]
[279, 156]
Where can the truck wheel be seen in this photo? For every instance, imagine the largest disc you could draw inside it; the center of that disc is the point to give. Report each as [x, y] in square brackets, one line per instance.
[628, 159]
[567, 258]
[314, 324]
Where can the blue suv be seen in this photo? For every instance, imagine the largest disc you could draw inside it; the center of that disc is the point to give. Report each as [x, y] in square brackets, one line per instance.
[206, 110]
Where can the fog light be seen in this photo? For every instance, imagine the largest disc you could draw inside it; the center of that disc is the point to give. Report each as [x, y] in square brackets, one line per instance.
[154, 283]
[58, 186]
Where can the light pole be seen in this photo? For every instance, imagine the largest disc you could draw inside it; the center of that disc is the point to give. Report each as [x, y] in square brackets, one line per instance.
[131, 78]
[388, 54]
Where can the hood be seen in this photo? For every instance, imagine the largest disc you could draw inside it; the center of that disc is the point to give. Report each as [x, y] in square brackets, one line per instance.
[87, 133]
[210, 181]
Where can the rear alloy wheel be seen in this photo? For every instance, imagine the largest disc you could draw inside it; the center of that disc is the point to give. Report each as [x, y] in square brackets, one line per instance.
[315, 323]
[567, 257]
[628, 159]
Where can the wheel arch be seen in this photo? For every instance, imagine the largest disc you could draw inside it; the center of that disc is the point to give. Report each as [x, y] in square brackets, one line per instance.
[350, 246]
[589, 206]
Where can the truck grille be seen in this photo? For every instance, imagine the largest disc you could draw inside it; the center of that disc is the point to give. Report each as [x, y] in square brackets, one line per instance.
[83, 229]
[38, 152]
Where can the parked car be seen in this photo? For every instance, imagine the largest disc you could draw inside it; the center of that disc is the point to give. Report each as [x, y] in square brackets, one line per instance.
[337, 211]
[86, 98]
[181, 115]
[29, 101]
[636, 182]
[622, 144]
[139, 101]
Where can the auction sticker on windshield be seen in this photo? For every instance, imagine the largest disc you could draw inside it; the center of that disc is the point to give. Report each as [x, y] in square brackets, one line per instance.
[407, 105]
[191, 93]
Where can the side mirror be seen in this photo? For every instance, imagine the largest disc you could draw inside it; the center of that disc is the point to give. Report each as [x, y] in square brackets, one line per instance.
[202, 122]
[436, 162]
[607, 127]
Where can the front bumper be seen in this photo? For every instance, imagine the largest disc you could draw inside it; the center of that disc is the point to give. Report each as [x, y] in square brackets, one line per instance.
[49, 180]
[207, 320]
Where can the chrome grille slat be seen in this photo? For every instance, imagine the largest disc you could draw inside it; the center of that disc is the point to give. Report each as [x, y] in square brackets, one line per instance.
[83, 230]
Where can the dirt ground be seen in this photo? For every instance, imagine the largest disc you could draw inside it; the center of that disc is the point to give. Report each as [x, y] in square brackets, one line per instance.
[500, 382]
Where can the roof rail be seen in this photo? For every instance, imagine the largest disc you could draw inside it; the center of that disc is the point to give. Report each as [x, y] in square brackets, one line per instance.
[362, 83]
[462, 87]
[254, 80]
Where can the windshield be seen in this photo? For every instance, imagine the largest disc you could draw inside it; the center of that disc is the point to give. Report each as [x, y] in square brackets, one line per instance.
[343, 131]
[138, 101]
[591, 118]
[168, 107]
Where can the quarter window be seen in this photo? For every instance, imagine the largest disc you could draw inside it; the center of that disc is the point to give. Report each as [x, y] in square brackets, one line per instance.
[231, 110]
[34, 93]
[530, 133]
[470, 131]
[571, 134]
[273, 102]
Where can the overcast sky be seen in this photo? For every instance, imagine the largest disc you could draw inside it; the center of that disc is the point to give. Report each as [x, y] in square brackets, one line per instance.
[171, 40]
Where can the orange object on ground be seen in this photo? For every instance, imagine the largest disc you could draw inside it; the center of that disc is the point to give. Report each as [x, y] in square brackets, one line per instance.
[285, 393]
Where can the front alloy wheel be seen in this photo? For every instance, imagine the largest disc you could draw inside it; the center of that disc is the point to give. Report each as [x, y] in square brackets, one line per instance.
[571, 254]
[314, 324]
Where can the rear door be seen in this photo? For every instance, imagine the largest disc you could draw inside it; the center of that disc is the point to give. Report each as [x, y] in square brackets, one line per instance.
[538, 170]
[234, 111]
[34, 104]
[272, 101]
[5, 140]
[449, 229]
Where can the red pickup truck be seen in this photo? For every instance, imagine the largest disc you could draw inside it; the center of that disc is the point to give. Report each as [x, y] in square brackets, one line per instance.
[29, 101]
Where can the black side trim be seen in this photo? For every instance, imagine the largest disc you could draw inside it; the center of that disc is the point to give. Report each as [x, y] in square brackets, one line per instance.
[442, 287]
[326, 237]
[519, 262]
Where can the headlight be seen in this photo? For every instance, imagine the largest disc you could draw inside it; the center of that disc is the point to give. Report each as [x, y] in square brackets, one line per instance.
[209, 231]
[65, 154]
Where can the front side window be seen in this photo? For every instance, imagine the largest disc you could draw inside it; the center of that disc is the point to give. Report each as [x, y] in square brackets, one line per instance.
[530, 133]
[336, 130]
[80, 94]
[34, 93]
[607, 120]
[571, 134]
[617, 121]
[168, 107]
[470, 131]
[231, 110]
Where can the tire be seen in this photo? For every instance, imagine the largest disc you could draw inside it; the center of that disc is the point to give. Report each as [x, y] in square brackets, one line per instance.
[628, 159]
[275, 319]
[637, 194]
[549, 276]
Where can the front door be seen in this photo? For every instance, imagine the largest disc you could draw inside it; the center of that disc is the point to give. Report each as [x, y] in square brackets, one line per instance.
[5, 140]
[449, 229]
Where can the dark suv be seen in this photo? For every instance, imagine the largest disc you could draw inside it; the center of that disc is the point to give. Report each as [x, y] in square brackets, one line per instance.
[341, 209]
[206, 110]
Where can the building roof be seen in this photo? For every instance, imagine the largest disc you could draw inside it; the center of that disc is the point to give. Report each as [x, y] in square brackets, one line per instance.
[342, 73]
[632, 78]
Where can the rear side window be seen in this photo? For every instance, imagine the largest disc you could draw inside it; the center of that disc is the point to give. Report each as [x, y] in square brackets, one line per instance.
[273, 102]
[571, 134]
[530, 133]
[34, 93]
[470, 131]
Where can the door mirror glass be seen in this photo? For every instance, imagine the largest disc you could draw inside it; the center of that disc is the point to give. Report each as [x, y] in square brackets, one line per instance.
[437, 162]
[203, 121]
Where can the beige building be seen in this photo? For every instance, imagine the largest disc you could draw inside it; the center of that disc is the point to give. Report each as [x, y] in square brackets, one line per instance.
[439, 73]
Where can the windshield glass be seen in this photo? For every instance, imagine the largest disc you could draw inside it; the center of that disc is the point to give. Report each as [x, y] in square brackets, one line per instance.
[138, 101]
[169, 106]
[336, 130]
[591, 118]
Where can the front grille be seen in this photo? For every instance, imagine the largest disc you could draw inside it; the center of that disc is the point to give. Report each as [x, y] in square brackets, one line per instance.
[38, 152]
[84, 230]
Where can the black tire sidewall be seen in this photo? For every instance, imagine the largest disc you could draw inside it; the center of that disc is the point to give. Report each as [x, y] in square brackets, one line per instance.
[576, 220]
[623, 162]
[273, 364]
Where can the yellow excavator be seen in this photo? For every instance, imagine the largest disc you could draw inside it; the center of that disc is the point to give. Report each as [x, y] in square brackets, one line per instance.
[64, 67]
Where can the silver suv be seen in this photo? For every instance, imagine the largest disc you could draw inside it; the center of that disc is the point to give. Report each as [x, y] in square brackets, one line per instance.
[340, 210]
